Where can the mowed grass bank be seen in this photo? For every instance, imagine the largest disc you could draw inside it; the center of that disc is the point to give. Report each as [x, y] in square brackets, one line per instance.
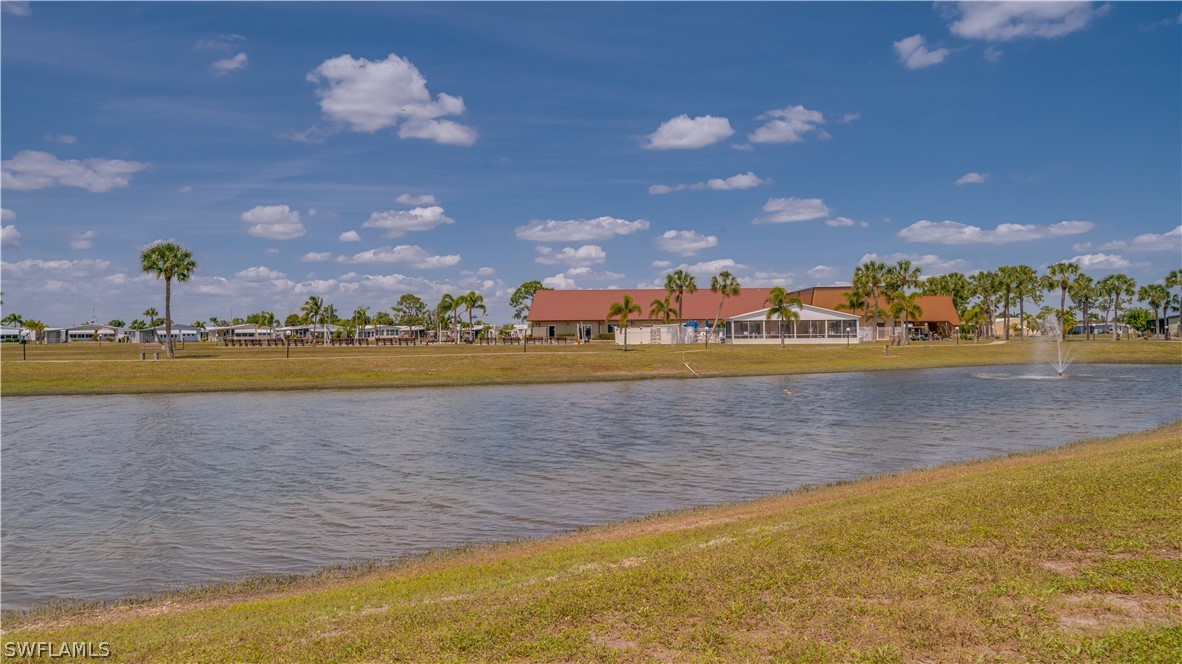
[1066, 555]
[115, 368]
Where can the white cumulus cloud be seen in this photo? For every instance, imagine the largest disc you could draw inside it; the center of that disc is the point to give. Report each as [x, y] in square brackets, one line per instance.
[685, 243]
[788, 210]
[1100, 261]
[7, 215]
[316, 257]
[32, 169]
[369, 95]
[349, 236]
[787, 125]
[952, 232]
[260, 273]
[914, 54]
[67, 139]
[10, 236]
[822, 272]
[413, 255]
[1004, 21]
[588, 254]
[579, 230]
[397, 223]
[972, 178]
[83, 240]
[1168, 241]
[685, 133]
[837, 222]
[274, 222]
[227, 65]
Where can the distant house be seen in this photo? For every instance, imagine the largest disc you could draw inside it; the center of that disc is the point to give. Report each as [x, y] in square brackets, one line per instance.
[308, 331]
[184, 333]
[92, 332]
[220, 333]
[9, 334]
[582, 313]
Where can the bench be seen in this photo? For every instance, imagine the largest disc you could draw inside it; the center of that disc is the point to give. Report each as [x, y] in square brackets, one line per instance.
[150, 348]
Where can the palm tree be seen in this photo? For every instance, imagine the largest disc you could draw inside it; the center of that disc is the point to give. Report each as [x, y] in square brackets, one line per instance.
[13, 319]
[1173, 280]
[153, 316]
[448, 304]
[118, 322]
[360, 319]
[1059, 276]
[171, 261]
[855, 301]
[985, 286]
[1025, 284]
[899, 277]
[312, 311]
[680, 282]
[472, 300]
[725, 285]
[328, 316]
[1117, 286]
[1007, 281]
[869, 278]
[1084, 293]
[623, 310]
[1156, 296]
[903, 307]
[786, 308]
[662, 309]
[37, 327]
[974, 317]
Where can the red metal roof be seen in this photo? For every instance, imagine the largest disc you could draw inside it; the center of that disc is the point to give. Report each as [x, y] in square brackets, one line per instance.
[592, 305]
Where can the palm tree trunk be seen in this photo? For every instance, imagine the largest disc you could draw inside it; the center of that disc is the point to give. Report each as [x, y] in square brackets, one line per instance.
[1007, 315]
[1063, 313]
[1022, 314]
[168, 316]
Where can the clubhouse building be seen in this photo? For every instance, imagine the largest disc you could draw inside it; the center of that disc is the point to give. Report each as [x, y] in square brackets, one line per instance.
[742, 318]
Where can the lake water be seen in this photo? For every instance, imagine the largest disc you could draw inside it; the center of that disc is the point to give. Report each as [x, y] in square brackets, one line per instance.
[105, 496]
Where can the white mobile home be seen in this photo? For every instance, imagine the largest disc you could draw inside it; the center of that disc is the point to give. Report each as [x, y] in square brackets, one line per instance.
[656, 334]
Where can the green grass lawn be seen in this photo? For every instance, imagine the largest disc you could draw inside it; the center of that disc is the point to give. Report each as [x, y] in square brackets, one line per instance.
[1073, 554]
[115, 368]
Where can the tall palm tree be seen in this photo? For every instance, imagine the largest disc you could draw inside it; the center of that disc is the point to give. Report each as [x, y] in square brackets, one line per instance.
[1059, 276]
[899, 277]
[680, 282]
[328, 316]
[446, 307]
[312, 310]
[1025, 284]
[1007, 281]
[974, 317]
[171, 261]
[1084, 293]
[784, 307]
[869, 278]
[1173, 280]
[724, 284]
[904, 307]
[985, 286]
[1118, 286]
[622, 310]
[360, 319]
[470, 302]
[13, 319]
[662, 309]
[1155, 295]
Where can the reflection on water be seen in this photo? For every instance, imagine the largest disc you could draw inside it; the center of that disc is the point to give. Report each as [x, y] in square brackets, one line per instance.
[105, 496]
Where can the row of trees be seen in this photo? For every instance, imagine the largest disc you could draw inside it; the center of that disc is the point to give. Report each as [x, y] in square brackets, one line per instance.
[985, 296]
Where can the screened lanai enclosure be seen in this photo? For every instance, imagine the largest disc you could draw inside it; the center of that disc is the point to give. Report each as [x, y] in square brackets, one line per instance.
[816, 326]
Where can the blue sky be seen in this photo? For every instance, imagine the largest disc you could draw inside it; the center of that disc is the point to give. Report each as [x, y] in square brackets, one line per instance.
[361, 151]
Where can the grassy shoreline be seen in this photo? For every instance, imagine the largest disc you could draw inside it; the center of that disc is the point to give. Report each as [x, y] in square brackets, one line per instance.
[1064, 554]
[115, 368]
